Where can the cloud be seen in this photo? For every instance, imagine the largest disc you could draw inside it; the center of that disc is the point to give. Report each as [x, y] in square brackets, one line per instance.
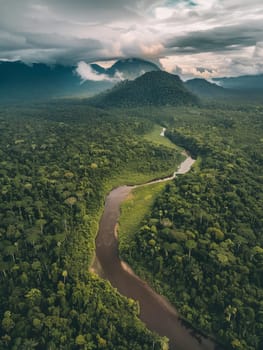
[203, 70]
[218, 39]
[9, 41]
[177, 70]
[235, 63]
[258, 53]
[217, 34]
[85, 71]
[49, 48]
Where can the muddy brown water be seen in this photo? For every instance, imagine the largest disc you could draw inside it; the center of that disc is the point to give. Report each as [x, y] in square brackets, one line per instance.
[155, 311]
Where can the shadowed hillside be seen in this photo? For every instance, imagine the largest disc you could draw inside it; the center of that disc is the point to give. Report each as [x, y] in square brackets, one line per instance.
[153, 88]
[204, 88]
[21, 82]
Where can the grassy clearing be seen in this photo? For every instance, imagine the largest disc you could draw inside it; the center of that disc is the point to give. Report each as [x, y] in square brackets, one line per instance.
[139, 205]
[140, 201]
[134, 209]
[128, 177]
[155, 137]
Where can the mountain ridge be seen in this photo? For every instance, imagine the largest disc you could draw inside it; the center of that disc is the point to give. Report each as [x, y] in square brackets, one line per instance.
[156, 88]
[19, 81]
[243, 82]
[129, 68]
[205, 89]
[39, 81]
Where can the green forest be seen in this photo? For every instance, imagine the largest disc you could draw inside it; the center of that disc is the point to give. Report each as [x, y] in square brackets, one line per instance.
[131, 175]
[201, 244]
[58, 161]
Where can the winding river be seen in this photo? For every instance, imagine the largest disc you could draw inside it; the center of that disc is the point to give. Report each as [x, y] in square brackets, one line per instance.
[155, 311]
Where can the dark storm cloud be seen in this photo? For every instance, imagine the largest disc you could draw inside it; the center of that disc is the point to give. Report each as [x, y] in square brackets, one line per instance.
[49, 48]
[44, 41]
[79, 10]
[172, 31]
[67, 31]
[9, 41]
[217, 39]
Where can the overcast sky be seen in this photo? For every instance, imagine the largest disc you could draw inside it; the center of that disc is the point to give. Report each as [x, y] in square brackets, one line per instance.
[203, 38]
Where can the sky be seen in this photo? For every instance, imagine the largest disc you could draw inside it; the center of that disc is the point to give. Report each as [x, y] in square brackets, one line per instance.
[203, 38]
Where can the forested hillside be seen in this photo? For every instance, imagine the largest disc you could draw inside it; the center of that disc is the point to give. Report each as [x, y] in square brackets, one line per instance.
[156, 88]
[20, 82]
[202, 243]
[57, 163]
[204, 89]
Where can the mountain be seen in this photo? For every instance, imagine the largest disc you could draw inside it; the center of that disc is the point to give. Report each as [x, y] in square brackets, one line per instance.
[130, 68]
[98, 69]
[244, 82]
[205, 89]
[156, 88]
[20, 82]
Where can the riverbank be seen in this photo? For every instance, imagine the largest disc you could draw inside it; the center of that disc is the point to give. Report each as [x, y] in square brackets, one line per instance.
[134, 209]
[155, 311]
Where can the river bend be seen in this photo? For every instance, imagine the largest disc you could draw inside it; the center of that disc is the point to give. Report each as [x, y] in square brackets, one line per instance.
[155, 311]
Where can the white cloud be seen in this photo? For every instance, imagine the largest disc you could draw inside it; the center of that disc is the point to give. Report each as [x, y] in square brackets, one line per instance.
[163, 12]
[258, 53]
[233, 64]
[85, 71]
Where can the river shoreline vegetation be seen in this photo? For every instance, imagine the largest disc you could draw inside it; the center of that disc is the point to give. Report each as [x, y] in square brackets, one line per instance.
[58, 161]
[140, 201]
[201, 244]
[197, 240]
[131, 175]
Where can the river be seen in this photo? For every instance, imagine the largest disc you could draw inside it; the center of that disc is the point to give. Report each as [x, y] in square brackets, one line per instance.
[155, 311]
